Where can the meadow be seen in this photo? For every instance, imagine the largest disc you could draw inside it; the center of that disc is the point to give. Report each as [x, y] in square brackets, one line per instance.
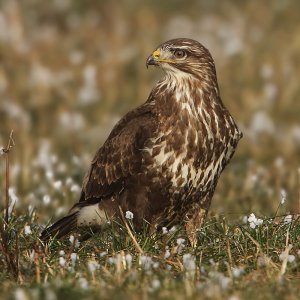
[69, 70]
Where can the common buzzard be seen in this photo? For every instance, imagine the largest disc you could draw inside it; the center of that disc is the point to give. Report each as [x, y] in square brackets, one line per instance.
[163, 159]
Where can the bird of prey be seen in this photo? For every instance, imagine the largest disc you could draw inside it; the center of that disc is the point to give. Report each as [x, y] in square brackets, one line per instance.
[163, 159]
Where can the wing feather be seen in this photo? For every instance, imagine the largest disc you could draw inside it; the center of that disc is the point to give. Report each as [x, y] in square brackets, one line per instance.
[121, 155]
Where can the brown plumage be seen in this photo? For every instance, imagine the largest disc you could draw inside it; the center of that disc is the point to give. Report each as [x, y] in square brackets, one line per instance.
[163, 159]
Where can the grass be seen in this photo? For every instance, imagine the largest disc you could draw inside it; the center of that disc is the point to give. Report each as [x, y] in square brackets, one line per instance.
[231, 260]
[241, 259]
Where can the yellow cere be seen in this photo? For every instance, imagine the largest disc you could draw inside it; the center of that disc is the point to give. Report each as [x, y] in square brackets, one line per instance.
[156, 53]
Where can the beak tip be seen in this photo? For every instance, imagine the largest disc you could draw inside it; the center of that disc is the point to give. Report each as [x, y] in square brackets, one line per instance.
[151, 61]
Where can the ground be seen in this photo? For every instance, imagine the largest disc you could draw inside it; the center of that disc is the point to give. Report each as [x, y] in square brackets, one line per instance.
[251, 258]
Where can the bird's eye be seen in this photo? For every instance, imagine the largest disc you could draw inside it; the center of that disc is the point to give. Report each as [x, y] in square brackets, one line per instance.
[179, 53]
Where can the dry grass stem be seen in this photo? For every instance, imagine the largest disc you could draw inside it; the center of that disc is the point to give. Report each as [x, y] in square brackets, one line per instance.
[136, 244]
[286, 254]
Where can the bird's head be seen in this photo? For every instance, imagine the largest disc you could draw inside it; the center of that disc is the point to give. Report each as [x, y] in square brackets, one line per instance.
[183, 56]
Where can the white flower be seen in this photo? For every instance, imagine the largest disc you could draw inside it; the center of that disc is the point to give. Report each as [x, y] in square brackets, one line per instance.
[253, 221]
[49, 175]
[173, 229]
[46, 199]
[189, 262]
[13, 199]
[69, 181]
[2, 151]
[263, 261]
[222, 280]
[284, 255]
[75, 188]
[73, 258]
[71, 122]
[49, 294]
[89, 92]
[129, 215]
[155, 284]
[62, 261]
[167, 254]
[237, 272]
[270, 92]
[266, 71]
[165, 230]
[83, 283]
[20, 294]
[291, 258]
[261, 123]
[27, 230]
[128, 259]
[61, 252]
[146, 262]
[103, 253]
[72, 240]
[57, 184]
[253, 179]
[30, 209]
[288, 219]
[283, 196]
[93, 266]
[112, 260]
[180, 241]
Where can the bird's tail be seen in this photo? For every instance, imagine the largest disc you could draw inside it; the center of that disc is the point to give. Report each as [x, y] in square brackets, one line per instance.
[83, 215]
[60, 228]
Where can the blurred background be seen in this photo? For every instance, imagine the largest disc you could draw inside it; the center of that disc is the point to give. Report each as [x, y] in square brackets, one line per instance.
[70, 69]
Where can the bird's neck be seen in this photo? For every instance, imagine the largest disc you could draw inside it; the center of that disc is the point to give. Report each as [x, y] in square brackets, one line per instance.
[183, 88]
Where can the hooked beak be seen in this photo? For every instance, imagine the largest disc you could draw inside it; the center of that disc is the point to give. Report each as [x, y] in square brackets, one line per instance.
[151, 61]
[155, 59]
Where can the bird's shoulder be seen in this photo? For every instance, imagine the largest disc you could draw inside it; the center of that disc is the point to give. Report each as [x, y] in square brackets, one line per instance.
[144, 114]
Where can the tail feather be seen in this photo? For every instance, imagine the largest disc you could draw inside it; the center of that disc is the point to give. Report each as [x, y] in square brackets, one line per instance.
[60, 228]
[82, 215]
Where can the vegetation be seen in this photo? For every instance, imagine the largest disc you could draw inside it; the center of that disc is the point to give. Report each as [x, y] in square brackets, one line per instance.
[259, 258]
[251, 258]
[69, 70]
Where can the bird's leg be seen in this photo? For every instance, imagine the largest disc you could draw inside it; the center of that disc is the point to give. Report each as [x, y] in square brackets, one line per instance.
[194, 223]
[196, 218]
